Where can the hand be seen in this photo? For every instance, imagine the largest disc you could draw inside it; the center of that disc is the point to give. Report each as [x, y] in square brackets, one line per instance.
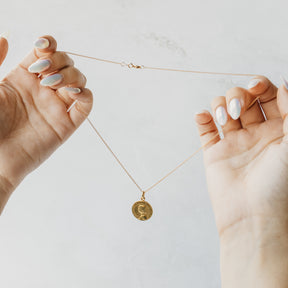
[3, 48]
[247, 172]
[33, 113]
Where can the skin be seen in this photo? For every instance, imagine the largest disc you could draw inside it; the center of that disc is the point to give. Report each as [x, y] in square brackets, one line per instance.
[247, 171]
[4, 49]
[33, 119]
[247, 177]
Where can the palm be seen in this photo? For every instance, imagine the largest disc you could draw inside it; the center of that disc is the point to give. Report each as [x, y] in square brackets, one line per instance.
[34, 119]
[237, 168]
[247, 171]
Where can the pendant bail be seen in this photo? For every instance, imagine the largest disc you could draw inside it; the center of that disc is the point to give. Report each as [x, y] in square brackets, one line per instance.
[143, 196]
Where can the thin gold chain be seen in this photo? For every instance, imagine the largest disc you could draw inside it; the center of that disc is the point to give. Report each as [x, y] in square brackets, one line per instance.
[182, 163]
[169, 173]
[192, 155]
[131, 65]
[130, 176]
[114, 155]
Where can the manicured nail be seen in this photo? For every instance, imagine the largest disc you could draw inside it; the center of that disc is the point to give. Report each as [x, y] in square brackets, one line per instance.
[39, 66]
[221, 115]
[52, 80]
[234, 108]
[73, 90]
[5, 35]
[41, 43]
[253, 83]
[285, 82]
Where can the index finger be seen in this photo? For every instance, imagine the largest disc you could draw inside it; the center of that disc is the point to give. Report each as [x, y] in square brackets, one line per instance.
[43, 46]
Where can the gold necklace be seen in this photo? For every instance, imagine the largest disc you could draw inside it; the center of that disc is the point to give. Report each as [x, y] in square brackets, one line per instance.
[142, 210]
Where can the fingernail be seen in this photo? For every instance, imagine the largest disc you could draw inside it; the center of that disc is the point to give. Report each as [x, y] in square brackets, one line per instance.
[5, 35]
[234, 108]
[52, 80]
[253, 83]
[285, 82]
[41, 43]
[39, 66]
[73, 90]
[221, 115]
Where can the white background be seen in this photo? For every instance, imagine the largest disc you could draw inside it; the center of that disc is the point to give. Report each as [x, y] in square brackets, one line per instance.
[69, 224]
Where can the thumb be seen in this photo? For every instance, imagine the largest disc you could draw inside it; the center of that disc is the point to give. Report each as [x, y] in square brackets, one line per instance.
[282, 102]
[3, 48]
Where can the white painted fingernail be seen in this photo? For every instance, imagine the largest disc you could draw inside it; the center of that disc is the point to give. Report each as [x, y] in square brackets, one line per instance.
[39, 66]
[234, 108]
[285, 82]
[73, 90]
[42, 43]
[52, 80]
[221, 115]
[5, 35]
[253, 83]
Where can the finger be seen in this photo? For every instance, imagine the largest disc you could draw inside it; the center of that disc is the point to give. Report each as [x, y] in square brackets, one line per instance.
[51, 63]
[3, 48]
[69, 94]
[244, 105]
[43, 47]
[282, 102]
[219, 109]
[69, 76]
[45, 44]
[261, 87]
[207, 129]
[80, 111]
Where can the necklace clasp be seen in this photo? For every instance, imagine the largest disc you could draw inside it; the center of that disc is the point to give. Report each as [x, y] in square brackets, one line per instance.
[131, 65]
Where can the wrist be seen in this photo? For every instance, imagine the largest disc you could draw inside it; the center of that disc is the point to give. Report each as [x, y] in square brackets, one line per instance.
[254, 253]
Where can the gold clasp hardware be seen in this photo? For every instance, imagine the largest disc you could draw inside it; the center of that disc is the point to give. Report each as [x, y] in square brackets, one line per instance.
[131, 65]
[143, 196]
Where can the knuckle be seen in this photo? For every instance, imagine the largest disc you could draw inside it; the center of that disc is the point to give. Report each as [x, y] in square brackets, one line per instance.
[84, 78]
[52, 41]
[66, 59]
[235, 91]
[219, 100]
[77, 76]
[51, 38]
[62, 59]
[262, 78]
[89, 93]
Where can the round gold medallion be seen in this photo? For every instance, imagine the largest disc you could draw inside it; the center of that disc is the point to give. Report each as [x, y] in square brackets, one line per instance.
[142, 210]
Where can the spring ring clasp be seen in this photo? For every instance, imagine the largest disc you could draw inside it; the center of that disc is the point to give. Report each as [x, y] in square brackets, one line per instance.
[131, 65]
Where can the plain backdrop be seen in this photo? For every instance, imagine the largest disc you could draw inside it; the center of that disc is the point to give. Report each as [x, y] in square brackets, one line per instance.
[69, 224]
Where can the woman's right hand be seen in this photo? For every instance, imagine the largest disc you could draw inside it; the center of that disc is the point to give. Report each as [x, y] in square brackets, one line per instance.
[34, 120]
